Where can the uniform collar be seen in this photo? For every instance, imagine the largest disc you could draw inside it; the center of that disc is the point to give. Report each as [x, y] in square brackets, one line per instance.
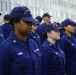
[54, 46]
[16, 41]
[49, 43]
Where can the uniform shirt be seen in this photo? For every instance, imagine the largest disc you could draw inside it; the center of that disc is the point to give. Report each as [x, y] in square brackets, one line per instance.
[6, 28]
[36, 38]
[53, 60]
[68, 45]
[18, 57]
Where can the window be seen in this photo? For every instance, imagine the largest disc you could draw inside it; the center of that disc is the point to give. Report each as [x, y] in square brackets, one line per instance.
[10, 6]
[5, 6]
[67, 15]
[36, 11]
[41, 12]
[71, 6]
[31, 9]
[0, 5]
[51, 13]
[61, 15]
[17, 5]
[65, 4]
[54, 1]
[46, 0]
[61, 3]
[72, 16]
[58, 14]
[64, 15]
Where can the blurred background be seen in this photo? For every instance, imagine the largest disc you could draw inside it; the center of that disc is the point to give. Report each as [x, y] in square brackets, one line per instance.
[59, 9]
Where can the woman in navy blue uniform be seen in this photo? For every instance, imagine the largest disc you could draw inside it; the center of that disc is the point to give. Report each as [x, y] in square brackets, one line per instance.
[53, 58]
[34, 35]
[19, 55]
[68, 45]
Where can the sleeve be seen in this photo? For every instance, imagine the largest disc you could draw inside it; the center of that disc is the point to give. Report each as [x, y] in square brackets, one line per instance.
[63, 45]
[44, 60]
[1, 38]
[4, 60]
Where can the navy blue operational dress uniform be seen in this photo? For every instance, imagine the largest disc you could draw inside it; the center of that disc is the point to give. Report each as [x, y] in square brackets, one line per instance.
[20, 56]
[42, 26]
[6, 27]
[53, 58]
[68, 45]
[34, 35]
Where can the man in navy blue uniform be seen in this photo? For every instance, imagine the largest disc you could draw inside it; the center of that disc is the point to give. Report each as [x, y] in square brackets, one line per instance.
[47, 19]
[68, 45]
[53, 58]
[19, 55]
[39, 20]
[6, 27]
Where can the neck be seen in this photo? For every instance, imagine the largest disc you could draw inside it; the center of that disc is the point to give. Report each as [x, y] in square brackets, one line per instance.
[68, 33]
[51, 40]
[6, 21]
[20, 37]
[33, 31]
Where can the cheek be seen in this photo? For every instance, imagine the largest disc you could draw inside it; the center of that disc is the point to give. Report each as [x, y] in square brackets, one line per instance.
[56, 36]
[71, 29]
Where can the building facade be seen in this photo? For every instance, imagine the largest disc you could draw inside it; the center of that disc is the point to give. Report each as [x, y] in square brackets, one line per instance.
[59, 9]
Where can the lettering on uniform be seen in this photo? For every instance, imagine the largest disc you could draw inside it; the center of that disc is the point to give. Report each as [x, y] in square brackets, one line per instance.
[20, 53]
[56, 53]
[36, 50]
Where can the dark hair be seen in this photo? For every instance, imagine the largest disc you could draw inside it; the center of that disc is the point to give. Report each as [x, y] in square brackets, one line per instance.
[44, 35]
[14, 20]
[0, 14]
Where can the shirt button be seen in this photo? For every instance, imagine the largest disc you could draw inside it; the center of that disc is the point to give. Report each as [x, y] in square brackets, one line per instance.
[14, 40]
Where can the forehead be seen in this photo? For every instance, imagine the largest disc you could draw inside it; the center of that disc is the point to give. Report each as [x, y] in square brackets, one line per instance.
[69, 26]
[54, 31]
[47, 17]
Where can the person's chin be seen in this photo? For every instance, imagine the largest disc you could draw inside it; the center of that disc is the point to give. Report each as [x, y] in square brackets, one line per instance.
[58, 38]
